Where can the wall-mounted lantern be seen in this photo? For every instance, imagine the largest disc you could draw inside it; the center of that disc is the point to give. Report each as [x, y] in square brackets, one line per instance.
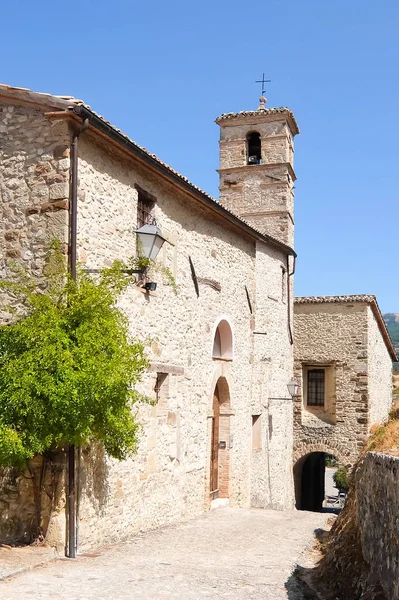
[293, 388]
[151, 240]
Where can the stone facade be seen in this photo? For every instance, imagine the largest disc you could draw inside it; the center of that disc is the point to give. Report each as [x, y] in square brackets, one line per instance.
[243, 278]
[34, 185]
[345, 337]
[377, 488]
[261, 193]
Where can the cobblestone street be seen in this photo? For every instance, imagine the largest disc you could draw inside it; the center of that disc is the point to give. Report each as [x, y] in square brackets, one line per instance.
[226, 553]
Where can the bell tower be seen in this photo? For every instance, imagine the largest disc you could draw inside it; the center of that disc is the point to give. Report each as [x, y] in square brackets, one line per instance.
[256, 168]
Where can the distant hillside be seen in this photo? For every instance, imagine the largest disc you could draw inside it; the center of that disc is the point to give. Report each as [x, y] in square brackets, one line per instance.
[392, 323]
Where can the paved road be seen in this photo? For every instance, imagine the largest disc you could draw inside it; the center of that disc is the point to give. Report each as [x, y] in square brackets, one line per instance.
[330, 488]
[225, 554]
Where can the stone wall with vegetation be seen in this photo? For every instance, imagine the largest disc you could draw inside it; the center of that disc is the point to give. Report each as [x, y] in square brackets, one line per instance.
[168, 479]
[361, 553]
[377, 493]
[34, 197]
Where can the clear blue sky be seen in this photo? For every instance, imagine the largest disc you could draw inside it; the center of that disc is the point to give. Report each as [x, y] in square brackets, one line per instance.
[163, 71]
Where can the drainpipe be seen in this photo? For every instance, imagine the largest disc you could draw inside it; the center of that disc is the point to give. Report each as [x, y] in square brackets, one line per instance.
[73, 224]
[289, 297]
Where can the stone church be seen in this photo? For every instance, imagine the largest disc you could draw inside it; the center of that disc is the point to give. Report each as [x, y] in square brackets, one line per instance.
[221, 354]
[220, 430]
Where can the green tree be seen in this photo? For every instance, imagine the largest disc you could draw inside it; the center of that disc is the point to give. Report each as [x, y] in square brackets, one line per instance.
[341, 478]
[68, 365]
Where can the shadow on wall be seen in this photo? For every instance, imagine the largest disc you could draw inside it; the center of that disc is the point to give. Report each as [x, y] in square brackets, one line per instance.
[94, 477]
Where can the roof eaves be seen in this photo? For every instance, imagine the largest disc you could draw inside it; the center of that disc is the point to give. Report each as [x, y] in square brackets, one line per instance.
[259, 113]
[106, 127]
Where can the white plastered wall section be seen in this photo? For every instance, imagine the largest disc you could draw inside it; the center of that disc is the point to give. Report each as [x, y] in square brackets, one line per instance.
[379, 367]
[271, 471]
[165, 482]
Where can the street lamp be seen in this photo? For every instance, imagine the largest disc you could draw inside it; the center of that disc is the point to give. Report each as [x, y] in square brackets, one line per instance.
[292, 388]
[150, 239]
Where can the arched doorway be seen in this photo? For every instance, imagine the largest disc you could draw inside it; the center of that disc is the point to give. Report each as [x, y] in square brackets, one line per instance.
[312, 481]
[219, 469]
[309, 475]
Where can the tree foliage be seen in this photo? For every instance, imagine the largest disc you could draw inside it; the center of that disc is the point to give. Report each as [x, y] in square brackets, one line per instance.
[68, 365]
[341, 478]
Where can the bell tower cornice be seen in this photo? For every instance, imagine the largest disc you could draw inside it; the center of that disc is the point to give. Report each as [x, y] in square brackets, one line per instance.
[261, 115]
[260, 168]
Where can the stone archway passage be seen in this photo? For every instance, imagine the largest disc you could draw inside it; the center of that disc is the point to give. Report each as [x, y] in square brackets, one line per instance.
[309, 475]
[219, 474]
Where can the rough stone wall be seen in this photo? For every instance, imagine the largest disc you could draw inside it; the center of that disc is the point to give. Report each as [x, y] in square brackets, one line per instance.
[379, 373]
[34, 186]
[271, 472]
[336, 336]
[16, 491]
[168, 480]
[262, 194]
[377, 491]
[34, 190]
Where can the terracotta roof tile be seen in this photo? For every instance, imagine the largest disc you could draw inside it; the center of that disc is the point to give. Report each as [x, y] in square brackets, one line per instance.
[258, 112]
[336, 299]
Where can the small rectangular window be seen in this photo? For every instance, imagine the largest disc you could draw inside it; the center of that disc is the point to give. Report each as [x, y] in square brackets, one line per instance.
[145, 206]
[144, 211]
[315, 387]
[256, 432]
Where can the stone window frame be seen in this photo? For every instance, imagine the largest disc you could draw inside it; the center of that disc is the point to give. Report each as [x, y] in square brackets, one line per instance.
[327, 411]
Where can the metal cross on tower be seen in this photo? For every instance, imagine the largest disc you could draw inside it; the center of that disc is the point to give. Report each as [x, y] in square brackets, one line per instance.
[263, 81]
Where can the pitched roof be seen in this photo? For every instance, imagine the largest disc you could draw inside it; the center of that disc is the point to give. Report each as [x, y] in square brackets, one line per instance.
[79, 107]
[335, 299]
[259, 113]
[365, 298]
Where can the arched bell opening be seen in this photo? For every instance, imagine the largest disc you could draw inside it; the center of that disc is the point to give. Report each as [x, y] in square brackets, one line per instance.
[254, 148]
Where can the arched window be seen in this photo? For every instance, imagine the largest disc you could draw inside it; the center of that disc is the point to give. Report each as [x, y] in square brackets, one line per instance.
[223, 341]
[254, 148]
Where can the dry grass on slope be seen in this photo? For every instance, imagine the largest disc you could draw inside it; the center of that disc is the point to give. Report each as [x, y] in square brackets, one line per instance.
[385, 438]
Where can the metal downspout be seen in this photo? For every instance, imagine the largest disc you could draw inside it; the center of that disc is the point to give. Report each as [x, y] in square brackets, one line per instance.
[73, 224]
[289, 297]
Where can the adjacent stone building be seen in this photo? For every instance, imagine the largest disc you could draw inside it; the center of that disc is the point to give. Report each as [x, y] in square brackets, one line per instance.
[221, 348]
[343, 365]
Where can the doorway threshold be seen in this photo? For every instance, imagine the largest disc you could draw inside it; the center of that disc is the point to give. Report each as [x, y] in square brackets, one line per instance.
[219, 503]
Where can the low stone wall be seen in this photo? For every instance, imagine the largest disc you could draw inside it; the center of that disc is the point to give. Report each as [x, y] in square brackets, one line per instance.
[377, 501]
